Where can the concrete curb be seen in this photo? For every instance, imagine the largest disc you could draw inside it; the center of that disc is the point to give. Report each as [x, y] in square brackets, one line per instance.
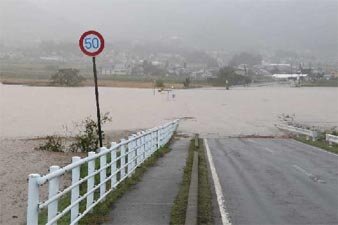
[192, 207]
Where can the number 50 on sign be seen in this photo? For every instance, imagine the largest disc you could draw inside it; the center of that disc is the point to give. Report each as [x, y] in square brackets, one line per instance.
[91, 43]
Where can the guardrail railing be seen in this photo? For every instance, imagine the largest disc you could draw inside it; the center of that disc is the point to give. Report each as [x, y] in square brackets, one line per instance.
[331, 138]
[308, 133]
[112, 166]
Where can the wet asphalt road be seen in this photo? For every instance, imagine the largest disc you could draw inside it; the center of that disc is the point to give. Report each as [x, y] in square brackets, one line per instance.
[276, 181]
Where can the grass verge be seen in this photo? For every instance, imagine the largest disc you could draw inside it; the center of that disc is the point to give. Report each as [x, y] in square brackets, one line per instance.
[321, 83]
[178, 211]
[205, 215]
[101, 211]
[321, 143]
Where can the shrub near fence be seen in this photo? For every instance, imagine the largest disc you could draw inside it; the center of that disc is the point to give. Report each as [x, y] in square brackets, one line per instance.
[112, 166]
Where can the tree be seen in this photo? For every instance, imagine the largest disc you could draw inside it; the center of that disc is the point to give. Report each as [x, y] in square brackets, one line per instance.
[152, 70]
[159, 83]
[275, 70]
[228, 74]
[245, 58]
[187, 82]
[67, 77]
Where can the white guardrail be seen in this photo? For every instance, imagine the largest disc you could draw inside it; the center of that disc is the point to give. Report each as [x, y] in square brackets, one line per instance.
[331, 138]
[119, 162]
[308, 133]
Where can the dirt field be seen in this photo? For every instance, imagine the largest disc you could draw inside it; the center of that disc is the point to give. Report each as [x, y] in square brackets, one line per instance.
[28, 112]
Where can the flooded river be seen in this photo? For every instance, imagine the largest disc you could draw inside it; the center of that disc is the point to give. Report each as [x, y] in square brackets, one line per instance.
[41, 111]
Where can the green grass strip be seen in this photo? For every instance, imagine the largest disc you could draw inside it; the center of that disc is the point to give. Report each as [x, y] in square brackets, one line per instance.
[321, 143]
[178, 211]
[205, 215]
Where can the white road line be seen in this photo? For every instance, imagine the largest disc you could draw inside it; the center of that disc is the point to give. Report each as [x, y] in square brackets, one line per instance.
[269, 150]
[302, 170]
[310, 175]
[218, 188]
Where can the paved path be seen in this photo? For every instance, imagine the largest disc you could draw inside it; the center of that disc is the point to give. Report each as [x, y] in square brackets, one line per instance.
[150, 201]
[276, 181]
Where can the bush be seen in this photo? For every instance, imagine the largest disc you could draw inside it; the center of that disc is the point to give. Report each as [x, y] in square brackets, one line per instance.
[67, 77]
[88, 139]
[229, 74]
[187, 82]
[159, 83]
[53, 144]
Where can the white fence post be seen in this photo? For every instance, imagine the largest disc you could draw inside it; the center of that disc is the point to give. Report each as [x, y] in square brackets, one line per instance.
[139, 148]
[91, 180]
[314, 135]
[53, 189]
[159, 137]
[156, 142]
[144, 142]
[166, 134]
[122, 159]
[134, 153]
[113, 165]
[130, 155]
[151, 143]
[103, 174]
[75, 194]
[33, 199]
[162, 135]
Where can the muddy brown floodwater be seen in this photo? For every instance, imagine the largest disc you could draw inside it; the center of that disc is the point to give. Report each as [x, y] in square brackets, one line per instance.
[28, 112]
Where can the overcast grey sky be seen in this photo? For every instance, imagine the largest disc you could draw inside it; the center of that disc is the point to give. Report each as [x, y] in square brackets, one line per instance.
[230, 24]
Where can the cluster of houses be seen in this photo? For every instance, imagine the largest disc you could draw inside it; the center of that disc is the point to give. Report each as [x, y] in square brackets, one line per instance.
[160, 65]
[287, 71]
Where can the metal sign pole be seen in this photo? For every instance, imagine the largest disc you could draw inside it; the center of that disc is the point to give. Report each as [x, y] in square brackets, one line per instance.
[97, 103]
[154, 86]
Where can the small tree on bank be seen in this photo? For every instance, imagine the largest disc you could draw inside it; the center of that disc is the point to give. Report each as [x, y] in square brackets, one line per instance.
[228, 76]
[186, 82]
[67, 77]
[159, 83]
[88, 138]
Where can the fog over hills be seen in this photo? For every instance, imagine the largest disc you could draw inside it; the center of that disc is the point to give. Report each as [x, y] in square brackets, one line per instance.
[300, 25]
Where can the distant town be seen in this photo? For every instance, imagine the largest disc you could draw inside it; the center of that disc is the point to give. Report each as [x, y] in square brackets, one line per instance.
[166, 60]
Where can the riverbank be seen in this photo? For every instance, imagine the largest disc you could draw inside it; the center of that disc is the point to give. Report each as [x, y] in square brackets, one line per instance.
[88, 83]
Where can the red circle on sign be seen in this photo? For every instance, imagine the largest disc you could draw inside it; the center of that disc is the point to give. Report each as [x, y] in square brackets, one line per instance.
[99, 36]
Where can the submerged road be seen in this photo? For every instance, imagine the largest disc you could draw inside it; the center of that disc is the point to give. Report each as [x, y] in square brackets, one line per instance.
[275, 181]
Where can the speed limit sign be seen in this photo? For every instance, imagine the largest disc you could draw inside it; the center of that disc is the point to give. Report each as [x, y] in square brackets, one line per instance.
[91, 43]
